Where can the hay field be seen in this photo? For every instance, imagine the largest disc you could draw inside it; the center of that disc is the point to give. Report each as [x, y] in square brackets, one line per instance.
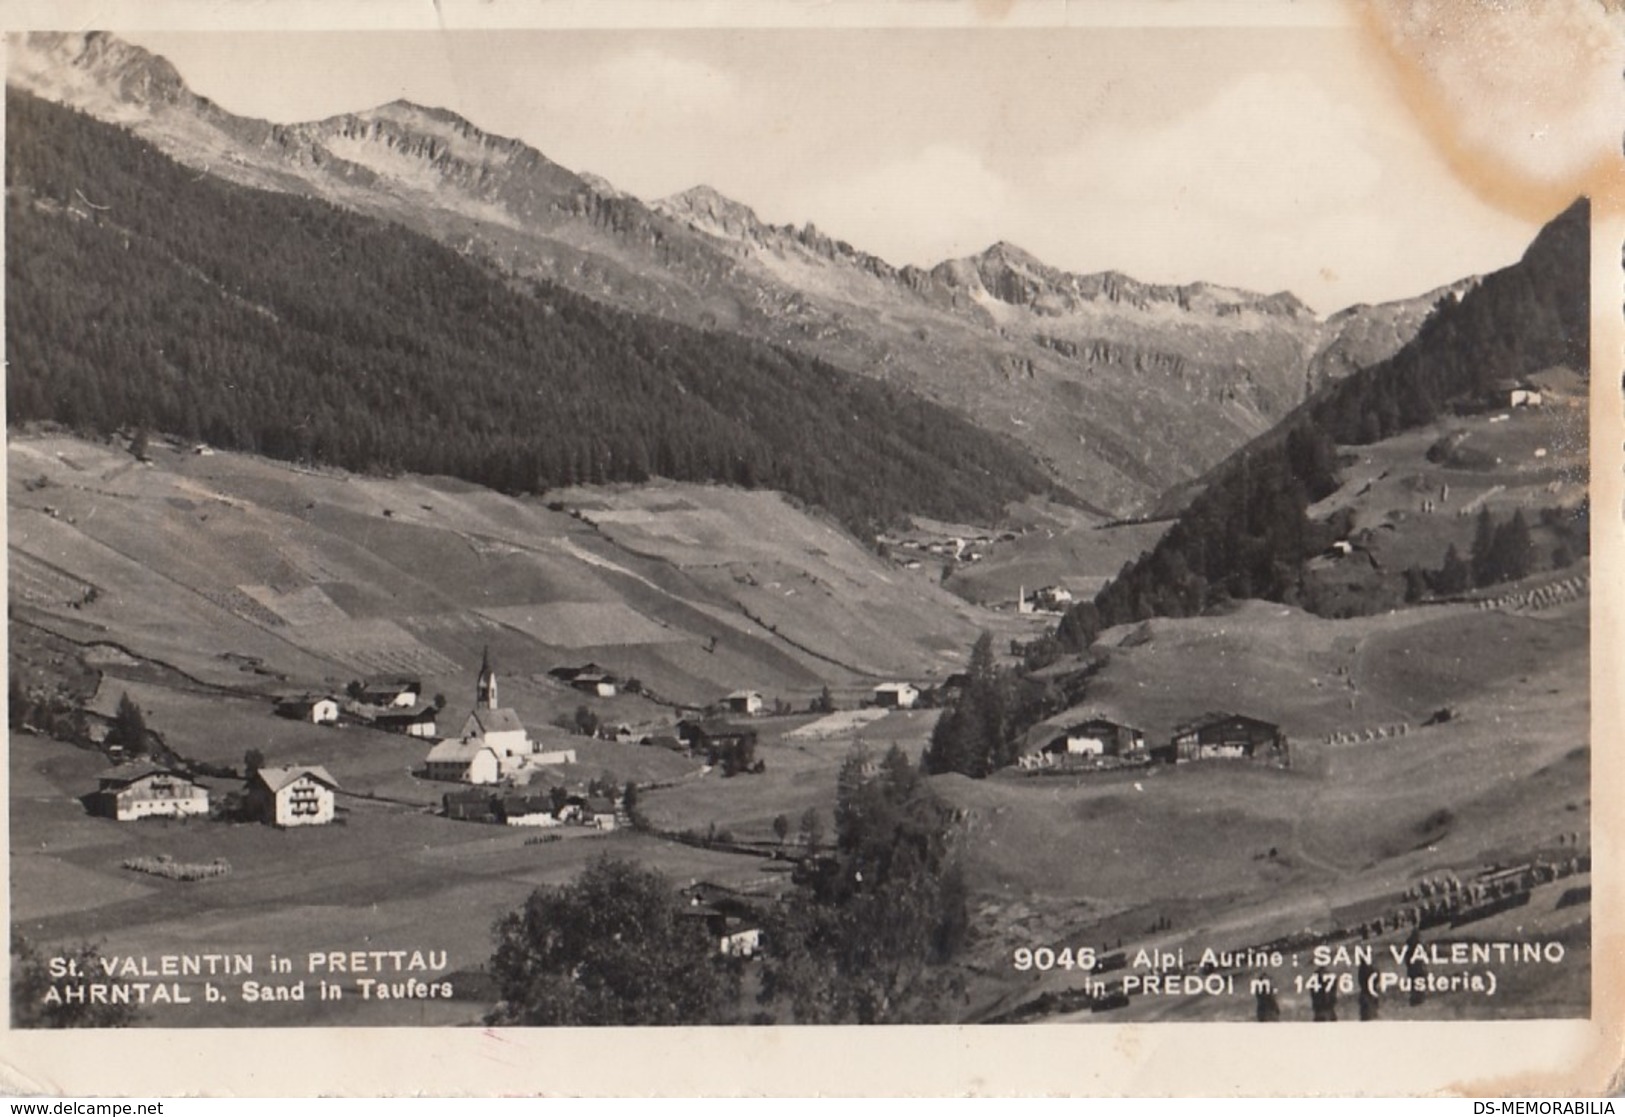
[384, 877]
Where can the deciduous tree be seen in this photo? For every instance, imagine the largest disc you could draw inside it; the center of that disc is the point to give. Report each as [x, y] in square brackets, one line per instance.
[867, 935]
[612, 948]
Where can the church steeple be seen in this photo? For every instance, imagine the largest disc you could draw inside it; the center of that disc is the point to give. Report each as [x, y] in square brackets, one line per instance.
[485, 690]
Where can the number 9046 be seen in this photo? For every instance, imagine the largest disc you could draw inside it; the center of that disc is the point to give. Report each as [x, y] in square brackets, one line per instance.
[1044, 958]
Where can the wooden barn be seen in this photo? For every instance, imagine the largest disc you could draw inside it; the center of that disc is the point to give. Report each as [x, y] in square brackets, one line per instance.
[1097, 736]
[413, 723]
[898, 696]
[743, 702]
[322, 710]
[589, 678]
[471, 805]
[1228, 736]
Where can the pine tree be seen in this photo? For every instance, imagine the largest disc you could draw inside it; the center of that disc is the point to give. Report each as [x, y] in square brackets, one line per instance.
[969, 738]
[1483, 560]
[1513, 549]
[1454, 576]
[129, 728]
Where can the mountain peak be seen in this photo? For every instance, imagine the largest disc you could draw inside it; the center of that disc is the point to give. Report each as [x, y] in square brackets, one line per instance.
[706, 205]
[1009, 254]
[403, 111]
[53, 63]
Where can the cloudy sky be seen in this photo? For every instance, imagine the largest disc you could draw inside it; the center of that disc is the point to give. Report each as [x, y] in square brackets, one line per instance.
[1300, 157]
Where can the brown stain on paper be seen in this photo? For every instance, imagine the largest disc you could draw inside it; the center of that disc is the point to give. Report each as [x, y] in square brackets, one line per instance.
[1443, 109]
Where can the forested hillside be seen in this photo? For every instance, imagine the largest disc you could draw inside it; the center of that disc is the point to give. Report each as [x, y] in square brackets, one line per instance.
[142, 294]
[1248, 533]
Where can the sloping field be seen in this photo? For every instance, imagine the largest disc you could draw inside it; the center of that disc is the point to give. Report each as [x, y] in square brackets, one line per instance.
[842, 723]
[1227, 853]
[318, 575]
[1315, 676]
[384, 877]
[1408, 510]
[799, 576]
[583, 624]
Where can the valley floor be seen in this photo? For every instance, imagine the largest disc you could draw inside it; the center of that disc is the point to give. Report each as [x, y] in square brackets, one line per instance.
[1223, 855]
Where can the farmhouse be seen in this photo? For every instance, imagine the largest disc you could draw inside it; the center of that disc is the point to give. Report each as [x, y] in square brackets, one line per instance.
[528, 810]
[1223, 735]
[899, 696]
[713, 738]
[601, 685]
[322, 710]
[299, 796]
[401, 693]
[589, 678]
[599, 813]
[467, 761]
[596, 811]
[1097, 736]
[1048, 599]
[743, 702]
[470, 806]
[740, 940]
[414, 723]
[729, 919]
[135, 791]
[566, 674]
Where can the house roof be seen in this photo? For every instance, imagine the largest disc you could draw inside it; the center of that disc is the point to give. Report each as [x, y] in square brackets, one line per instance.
[129, 773]
[453, 750]
[588, 668]
[527, 804]
[896, 686]
[1196, 724]
[417, 713]
[275, 779]
[498, 721]
[305, 701]
[399, 686]
[1096, 719]
[744, 694]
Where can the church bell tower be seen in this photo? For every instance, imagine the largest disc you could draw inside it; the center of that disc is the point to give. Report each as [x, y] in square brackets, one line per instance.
[485, 690]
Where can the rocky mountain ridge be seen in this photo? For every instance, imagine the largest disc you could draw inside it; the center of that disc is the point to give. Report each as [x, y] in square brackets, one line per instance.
[1123, 388]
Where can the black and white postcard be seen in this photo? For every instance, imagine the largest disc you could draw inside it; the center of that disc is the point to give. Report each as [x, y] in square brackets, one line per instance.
[1041, 528]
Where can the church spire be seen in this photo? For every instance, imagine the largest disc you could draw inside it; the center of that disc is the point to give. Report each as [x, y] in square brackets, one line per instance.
[485, 690]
